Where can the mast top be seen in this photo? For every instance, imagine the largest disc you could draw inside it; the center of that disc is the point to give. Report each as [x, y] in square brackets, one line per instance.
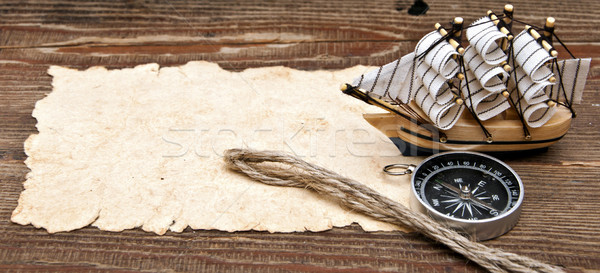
[547, 46]
[452, 42]
[550, 21]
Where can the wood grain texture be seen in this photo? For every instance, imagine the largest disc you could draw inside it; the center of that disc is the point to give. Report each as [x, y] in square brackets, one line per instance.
[559, 222]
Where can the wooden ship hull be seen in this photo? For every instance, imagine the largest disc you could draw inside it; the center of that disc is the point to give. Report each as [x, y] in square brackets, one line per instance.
[460, 87]
[507, 132]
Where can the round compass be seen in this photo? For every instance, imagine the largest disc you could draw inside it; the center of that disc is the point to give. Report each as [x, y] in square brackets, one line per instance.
[473, 193]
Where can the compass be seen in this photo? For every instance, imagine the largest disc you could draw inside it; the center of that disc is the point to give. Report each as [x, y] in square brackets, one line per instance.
[471, 192]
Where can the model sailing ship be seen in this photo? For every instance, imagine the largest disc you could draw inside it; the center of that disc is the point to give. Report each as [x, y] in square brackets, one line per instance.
[501, 93]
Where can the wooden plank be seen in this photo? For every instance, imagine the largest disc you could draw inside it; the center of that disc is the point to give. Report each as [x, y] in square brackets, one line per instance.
[559, 223]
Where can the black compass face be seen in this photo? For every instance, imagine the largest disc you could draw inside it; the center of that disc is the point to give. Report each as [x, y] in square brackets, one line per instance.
[467, 186]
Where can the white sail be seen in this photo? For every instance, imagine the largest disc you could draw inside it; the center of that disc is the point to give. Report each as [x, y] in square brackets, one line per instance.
[443, 116]
[434, 83]
[489, 76]
[533, 92]
[572, 73]
[530, 79]
[532, 57]
[485, 104]
[429, 87]
[422, 79]
[436, 66]
[534, 114]
[440, 57]
[484, 78]
[483, 35]
[389, 80]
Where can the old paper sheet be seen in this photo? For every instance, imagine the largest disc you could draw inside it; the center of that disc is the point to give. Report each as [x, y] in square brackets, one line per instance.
[142, 147]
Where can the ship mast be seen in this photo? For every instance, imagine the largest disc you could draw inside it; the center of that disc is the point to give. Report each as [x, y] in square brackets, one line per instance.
[496, 71]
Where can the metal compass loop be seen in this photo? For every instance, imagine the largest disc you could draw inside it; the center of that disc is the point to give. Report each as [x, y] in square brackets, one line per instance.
[392, 169]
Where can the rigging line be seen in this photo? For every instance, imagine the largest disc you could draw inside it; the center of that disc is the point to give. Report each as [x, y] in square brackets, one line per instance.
[358, 94]
[525, 23]
[402, 105]
[563, 45]
[553, 35]
[413, 113]
[209, 43]
[518, 109]
[488, 135]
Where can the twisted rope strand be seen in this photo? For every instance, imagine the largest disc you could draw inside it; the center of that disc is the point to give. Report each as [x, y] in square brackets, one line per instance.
[279, 169]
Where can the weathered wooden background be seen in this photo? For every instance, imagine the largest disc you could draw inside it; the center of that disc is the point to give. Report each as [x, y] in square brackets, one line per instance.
[560, 222]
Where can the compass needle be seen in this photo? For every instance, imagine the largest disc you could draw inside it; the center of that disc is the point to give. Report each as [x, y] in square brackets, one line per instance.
[448, 196]
[483, 204]
[468, 205]
[457, 202]
[460, 204]
[475, 209]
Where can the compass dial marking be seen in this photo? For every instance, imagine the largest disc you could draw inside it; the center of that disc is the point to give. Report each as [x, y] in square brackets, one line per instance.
[473, 192]
[464, 188]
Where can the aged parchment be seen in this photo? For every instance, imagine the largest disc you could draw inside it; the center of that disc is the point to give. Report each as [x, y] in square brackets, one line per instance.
[142, 147]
